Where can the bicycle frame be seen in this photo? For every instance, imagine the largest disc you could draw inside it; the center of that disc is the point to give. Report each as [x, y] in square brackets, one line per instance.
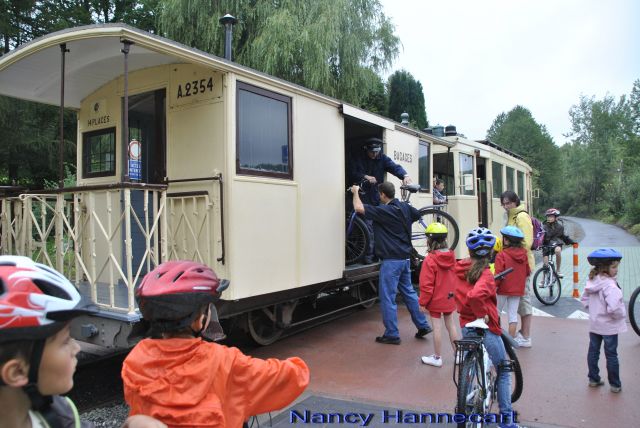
[475, 344]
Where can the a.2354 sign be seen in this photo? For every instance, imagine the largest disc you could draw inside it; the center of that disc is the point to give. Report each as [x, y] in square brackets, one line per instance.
[194, 87]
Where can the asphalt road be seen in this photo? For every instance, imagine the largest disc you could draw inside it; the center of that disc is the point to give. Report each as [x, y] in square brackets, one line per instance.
[598, 234]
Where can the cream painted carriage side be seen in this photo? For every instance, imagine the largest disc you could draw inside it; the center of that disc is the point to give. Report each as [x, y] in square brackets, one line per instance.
[219, 163]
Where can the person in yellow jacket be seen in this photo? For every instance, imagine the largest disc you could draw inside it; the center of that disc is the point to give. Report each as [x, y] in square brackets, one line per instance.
[184, 381]
[518, 216]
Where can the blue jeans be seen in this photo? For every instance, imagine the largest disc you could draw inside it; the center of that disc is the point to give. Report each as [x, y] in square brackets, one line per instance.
[395, 275]
[495, 347]
[610, 353]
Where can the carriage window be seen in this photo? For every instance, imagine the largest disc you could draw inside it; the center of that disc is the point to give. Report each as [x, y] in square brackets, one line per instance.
[466, 174]
[511, 184]
[263, 132]
[496, 170]
[521, 192]
[424, 173]
[99, 153]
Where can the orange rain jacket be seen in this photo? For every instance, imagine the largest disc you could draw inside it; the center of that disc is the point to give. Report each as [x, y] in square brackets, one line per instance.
[192, 383]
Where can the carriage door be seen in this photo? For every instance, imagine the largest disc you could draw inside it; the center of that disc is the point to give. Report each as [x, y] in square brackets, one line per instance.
[483, 201]
[147, 127]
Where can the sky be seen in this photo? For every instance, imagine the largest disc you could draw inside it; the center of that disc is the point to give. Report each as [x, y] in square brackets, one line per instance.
[478, 58]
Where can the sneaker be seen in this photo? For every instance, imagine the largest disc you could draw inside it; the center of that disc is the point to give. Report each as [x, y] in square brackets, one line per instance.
[613, 388]
[422, 332]
[594, 383]
[522, 342]
[519, 336]
[388, 340]
[432, 360]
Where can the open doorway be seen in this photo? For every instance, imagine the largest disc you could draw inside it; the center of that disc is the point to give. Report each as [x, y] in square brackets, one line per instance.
[481, 171]
[443, 169]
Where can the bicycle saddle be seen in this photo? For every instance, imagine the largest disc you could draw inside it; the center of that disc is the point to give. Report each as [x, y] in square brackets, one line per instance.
[479, 323]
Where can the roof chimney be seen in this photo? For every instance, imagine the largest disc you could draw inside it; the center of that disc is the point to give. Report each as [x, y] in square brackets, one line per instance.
[228, 21]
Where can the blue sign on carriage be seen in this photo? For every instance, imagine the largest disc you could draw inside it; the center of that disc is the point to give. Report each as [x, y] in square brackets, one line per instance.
[135, 154]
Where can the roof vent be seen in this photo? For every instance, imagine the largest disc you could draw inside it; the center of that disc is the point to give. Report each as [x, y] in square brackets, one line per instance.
[450, 131]
[405, 118]
[438, 131]
[228, 21]
[428, 131]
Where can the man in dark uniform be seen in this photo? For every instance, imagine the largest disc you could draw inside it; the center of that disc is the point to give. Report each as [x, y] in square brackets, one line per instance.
[392, 222]
[367, 170]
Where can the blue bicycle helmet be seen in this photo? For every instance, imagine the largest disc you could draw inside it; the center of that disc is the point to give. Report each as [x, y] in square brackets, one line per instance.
[512, 232]
[481, 241]
[603, 256]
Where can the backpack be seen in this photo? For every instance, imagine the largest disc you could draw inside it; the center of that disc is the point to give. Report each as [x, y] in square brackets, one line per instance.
[538, 232]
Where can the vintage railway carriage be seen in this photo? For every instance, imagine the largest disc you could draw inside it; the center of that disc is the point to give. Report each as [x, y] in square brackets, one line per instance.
[184, 155]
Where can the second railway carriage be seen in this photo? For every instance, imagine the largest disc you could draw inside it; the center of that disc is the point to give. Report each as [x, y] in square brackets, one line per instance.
[184, 155]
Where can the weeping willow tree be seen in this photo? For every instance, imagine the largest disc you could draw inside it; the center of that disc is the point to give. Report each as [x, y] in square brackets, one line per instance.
[331, 46]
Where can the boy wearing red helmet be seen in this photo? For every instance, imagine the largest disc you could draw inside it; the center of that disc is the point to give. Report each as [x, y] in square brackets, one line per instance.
[184, 381]
[37, 353]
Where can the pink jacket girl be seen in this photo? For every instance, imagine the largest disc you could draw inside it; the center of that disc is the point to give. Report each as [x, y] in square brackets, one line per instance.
[603, 297]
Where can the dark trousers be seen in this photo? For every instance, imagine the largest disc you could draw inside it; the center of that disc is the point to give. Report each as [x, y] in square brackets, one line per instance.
[610, 353]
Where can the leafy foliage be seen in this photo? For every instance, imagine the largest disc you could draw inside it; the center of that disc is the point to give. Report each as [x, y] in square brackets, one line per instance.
[518, 131]
[329, 46]
[406, 95]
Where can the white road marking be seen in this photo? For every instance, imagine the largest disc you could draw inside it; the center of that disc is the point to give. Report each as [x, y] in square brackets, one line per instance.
[579, 315]
[538, 313]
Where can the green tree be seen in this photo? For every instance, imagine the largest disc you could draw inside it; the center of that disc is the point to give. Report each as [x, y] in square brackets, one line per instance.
[376, 100]
[328, 46]
[518, 131]
[406, 95]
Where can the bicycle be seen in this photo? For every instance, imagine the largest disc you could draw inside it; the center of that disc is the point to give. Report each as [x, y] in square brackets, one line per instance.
[429, 214]
[634, 310]
[546, 282]
[476, 375]
[357, 236]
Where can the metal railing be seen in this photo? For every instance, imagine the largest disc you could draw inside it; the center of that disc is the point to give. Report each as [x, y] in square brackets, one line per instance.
[105, 238]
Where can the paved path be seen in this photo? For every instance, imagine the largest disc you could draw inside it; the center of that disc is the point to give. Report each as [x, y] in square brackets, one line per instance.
[592, 234]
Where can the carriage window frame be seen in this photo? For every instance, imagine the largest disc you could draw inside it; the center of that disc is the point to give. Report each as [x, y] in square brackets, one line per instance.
[521, 185]
[240, 121]
[463, 190]
[497, 181]
[88, 143]
[513, 178]
[424, 168]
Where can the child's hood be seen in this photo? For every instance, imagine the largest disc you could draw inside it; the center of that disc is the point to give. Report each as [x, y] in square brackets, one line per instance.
[444, 259]
[462, 267]
[516, 254]
[599, 283]
[173, 372]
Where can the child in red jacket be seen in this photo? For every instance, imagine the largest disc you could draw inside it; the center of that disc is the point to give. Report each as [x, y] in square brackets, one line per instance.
[437, 282]
[511, 287]
[476, 298]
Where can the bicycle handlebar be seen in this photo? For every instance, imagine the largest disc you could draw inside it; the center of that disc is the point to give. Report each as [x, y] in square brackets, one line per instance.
[503, 273]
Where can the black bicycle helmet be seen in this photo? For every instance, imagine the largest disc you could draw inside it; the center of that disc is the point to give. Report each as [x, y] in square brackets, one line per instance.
[603, 256]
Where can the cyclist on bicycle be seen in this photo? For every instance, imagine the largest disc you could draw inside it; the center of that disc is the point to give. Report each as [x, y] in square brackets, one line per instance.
[554, 236]
[476, 298]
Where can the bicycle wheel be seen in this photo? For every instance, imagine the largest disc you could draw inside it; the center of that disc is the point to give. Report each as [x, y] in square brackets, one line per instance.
[546, 285]
[634, 310]
[430, 215]
[357, 240]
[470, 392]
[517, 382]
